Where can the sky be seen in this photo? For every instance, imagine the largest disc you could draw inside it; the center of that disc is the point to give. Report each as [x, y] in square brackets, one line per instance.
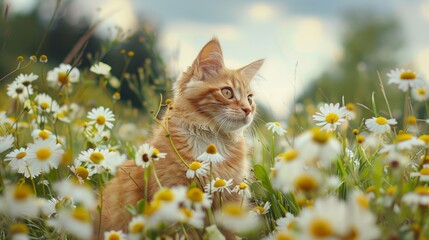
[298, 39]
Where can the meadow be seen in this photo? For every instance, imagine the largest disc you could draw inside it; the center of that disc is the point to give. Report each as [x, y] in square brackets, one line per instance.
[329, 173]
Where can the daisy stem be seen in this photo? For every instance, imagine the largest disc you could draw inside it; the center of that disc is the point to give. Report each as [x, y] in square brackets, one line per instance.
[220, 199]
[406, 109]
[242, 200]
[272, 150]
[184, 231]
[32, 181]
[211, 176]
[100, 183]
[43, 184]
[155, 175]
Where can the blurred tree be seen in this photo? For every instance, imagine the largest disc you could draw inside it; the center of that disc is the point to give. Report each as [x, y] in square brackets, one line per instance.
[370, 44]
[141, 76]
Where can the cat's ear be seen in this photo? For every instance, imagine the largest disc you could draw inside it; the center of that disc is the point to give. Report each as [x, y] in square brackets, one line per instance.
[249, 71]
[209, 60]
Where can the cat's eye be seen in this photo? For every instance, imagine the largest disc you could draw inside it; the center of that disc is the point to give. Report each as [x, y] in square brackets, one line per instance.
[227, 93]
[250, 98]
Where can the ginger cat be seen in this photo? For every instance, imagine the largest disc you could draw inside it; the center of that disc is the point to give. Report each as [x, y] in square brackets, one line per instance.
[212, 105]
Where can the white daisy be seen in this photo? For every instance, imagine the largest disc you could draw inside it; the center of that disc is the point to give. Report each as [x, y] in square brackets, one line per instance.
[79, 193]
[26, 79]
[419, 197]
[20, 200]
[101, 117]
[65, 74]
[421, 93]
[211, 155]
[235, 218]
[351, 111]
[396, 159]
[326, 220]
[361, 222]
[6, 142]
[82, 174]
[43, 134]
[101, 68]
[99, 160]
[295, 176]
[242, 188]
[405, 79]
[423, 174]
[318, 147]
[219, 185]
[403, 141]
[18, 161]
[156, 155]
[4, 120]
[262, 210]
[44, 155]
[19, 231]
[379, 124]
[330, 116]
[46, 103]
[287, 223]
[136, 227]
[193, 217]
[17, 90]
[143, 155]
[76, 221]
[46, 207]
[195, 197]
[173, 195]
[114, 235]
[158, 213]
[198, 169]
[275, 127]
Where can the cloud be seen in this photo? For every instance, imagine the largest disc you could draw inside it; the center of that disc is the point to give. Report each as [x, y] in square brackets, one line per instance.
[261, 12]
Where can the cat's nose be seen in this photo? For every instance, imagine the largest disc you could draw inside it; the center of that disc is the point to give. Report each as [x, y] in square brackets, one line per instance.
[246, 111]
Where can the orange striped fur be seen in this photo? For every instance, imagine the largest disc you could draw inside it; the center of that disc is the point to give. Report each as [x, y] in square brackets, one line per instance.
[201, 115]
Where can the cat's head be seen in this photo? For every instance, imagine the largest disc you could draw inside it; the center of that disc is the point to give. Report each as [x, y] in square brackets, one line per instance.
[216, 95]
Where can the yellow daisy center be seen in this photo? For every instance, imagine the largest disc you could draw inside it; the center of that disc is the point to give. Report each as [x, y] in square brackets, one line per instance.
[360, 138]
[277, 124]
[211, 149]
[320, 228]
[18, 228]
[81, 214]
[194, 166]
[43, 135]
[242, 186]
[403, 137]
[114, 236]
[424, 171]
[408, 76]
[22, 192]
[145, 157]
[195, 195]
[362, 201]
[350, 106]
[19, 90]
[320, 136]
[422, 190]
[219, 183]
[151, 208]
[61, 115]
[283, 236]
[421, 91]
[96, 157]
[306, 183]
[424, 138]
[391, 190]
[370, 189]
[412, 120]
[187, 212]
[233, 210]
[101, 120]
[258, 209]
[155, 153]
[137, 227]
[44, 105]
[43, 154]
[165, 194]
[289, 155]
[381, 121]
[352, 235]
[331, 118]
[82, 172]
[21, 155]
[63, 78]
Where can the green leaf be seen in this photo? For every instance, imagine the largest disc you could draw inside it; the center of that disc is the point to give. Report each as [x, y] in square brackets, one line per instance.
[261, 174]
